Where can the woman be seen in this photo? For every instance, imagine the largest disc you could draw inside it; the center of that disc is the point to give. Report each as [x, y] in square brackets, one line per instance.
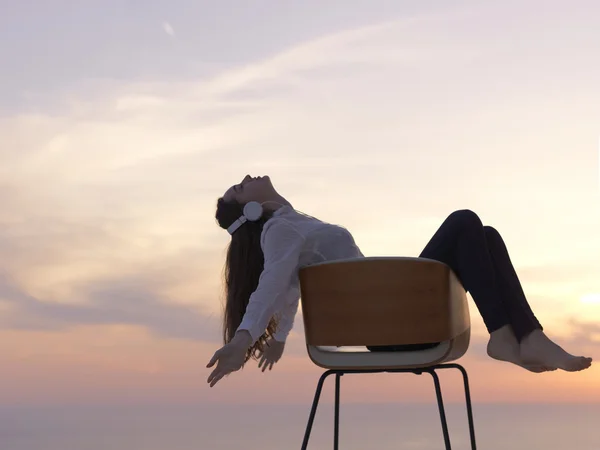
[262, 287]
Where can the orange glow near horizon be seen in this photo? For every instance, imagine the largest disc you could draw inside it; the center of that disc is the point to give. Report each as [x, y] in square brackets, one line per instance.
[121, 364]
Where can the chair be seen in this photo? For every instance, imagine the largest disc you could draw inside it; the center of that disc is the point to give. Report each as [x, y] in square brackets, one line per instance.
[350, 304]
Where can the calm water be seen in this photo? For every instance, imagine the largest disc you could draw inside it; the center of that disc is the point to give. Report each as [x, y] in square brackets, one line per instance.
[401, 426]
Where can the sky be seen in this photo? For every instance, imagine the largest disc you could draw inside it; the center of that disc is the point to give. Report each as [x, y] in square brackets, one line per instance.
[123, 122]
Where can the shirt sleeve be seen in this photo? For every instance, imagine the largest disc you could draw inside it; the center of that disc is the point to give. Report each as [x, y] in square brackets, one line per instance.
[287, 316]
[282, 245]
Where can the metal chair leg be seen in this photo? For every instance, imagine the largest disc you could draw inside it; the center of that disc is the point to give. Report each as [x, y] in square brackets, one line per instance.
[467, 400]
[336, 423]
[313, 410]
[440, 400]
[469, 407]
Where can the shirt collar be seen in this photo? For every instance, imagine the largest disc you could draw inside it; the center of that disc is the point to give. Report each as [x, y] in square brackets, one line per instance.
[281, 210]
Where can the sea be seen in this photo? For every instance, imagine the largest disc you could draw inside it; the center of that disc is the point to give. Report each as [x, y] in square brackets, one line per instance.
[281, 427]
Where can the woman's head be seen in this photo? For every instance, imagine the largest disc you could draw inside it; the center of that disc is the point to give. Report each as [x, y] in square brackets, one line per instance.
[245, 260]
[257, 189]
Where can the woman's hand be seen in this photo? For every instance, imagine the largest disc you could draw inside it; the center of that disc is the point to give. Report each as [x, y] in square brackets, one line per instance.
[272, 354]
[230, 357]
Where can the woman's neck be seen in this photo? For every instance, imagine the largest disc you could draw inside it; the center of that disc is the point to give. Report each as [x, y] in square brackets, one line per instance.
[277, 203]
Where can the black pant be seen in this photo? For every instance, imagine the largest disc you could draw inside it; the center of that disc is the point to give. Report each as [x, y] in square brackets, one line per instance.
[479, 258]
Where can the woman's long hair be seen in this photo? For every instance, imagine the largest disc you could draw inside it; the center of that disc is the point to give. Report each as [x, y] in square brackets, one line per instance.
[243, 266]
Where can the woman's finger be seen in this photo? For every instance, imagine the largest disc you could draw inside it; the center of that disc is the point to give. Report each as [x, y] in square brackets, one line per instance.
[271, 365]
[213, 374]
[217, 378]
[265, 365]
[214, 359]
[262, 360]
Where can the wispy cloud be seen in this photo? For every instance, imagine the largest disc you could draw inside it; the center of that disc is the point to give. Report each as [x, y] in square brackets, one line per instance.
[132, 300]
[168, 28]
[585, 335]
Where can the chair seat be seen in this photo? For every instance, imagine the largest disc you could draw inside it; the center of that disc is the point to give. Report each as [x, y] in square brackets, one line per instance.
[359, 357]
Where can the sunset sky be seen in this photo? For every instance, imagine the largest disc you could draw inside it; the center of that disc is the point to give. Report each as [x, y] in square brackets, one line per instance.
[122, 122]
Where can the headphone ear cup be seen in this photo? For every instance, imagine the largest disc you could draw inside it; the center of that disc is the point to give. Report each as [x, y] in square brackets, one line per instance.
[253, 211]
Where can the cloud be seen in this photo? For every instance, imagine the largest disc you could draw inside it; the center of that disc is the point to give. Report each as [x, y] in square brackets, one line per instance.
[136, 138]
[393, 43]
[592, 298]
[559, 272]
[584, 336]
[126, 300]
[166, 26]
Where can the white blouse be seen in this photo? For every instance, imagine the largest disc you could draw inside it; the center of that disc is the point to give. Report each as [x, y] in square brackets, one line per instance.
[291, 240]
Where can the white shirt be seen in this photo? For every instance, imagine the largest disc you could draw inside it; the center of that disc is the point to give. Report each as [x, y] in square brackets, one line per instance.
[290, 241]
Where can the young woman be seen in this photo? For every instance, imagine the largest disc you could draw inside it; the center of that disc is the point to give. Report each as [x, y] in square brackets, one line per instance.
[262, 286]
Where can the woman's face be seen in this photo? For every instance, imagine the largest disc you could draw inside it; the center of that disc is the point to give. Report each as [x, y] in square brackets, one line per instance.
[257, 189]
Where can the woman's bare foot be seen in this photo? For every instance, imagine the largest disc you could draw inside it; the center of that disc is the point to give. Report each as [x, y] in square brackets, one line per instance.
[503, 346]
[537, 348]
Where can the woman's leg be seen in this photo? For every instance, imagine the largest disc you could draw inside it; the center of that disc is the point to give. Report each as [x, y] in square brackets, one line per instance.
[461, 243]
[534, 345]
[522, 318]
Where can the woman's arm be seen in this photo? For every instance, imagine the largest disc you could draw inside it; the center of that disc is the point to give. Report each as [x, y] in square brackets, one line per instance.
[287, 316]
[282, 245]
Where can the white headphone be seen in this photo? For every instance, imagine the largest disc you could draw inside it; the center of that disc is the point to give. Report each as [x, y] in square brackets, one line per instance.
[252, 212]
